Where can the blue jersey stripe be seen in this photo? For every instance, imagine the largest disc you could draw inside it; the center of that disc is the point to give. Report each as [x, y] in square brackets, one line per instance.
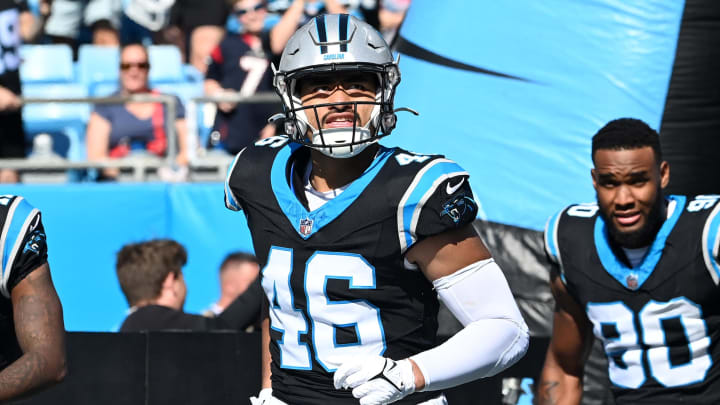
[21, 209]
[435, 172]
[230, 200]
[712, 243]
[551, 229]
[616, 268]
[317, 219]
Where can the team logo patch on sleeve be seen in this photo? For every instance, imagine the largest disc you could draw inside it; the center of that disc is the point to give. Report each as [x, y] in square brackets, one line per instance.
[33, 243]
[458, 207]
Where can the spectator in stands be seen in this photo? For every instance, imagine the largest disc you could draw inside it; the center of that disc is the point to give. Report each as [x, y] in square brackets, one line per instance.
[241, 64]
[67, 16]
[391, 14]
[116, 130]
[238, 273]
[150, 276]
[202, 24]
[313, 8]
[32, 20]
[145, 21]
[12, 135]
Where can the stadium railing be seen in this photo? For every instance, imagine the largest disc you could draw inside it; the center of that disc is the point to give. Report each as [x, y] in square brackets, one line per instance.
[204, 166]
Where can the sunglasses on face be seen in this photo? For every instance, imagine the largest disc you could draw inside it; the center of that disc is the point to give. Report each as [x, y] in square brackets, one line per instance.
[140, 65]
[241, 11]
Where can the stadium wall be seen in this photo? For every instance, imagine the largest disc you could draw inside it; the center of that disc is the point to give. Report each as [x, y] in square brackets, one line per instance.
[87, 224]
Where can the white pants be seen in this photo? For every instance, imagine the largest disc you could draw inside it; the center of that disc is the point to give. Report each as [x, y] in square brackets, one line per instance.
[66, 16]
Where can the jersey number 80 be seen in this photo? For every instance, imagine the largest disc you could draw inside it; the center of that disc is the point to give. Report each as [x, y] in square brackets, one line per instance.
[614, 323]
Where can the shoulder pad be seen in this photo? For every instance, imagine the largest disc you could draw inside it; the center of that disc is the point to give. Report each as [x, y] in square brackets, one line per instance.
[21, 219]
[576, 214]
[708, 205]
[437, 198]
[246, 164]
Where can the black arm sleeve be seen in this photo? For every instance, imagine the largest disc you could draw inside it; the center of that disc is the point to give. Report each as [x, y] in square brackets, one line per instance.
[245, 310]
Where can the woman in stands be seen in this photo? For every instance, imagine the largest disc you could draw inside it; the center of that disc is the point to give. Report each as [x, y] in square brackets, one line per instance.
[119, 130]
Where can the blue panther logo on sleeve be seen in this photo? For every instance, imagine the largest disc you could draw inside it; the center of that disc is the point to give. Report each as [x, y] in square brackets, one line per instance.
[458, 207]
[37, 238]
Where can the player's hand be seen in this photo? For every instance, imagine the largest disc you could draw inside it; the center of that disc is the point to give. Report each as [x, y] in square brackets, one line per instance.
[263, 398]
[376, 380]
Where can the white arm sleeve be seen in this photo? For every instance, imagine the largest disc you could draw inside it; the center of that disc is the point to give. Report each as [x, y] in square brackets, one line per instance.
[495, 335]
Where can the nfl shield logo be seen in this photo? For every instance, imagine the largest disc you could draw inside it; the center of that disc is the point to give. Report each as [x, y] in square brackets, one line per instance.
[306, 226]
[632, 281]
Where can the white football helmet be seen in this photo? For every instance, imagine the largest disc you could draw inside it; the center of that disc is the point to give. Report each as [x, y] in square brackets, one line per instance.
[325, 45]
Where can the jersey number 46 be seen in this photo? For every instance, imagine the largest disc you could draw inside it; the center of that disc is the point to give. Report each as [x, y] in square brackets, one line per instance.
[325, 315]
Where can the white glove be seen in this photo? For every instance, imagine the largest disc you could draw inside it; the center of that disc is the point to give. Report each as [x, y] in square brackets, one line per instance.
[376, 380]
[264, 397]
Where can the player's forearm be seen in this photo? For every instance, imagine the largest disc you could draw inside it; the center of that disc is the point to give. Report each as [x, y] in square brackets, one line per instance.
[40, 331]
[30, 372]
[557, 388]
[499, 344]
[266, 360]
[493, 325]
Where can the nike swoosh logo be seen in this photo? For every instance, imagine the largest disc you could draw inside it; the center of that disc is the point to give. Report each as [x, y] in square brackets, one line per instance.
[35, 223]
[451, 190]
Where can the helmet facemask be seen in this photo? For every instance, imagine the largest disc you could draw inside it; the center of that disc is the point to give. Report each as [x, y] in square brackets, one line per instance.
[341, 142]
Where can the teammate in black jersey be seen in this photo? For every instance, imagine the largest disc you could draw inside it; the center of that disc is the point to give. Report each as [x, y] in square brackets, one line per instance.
[640, 271]
[359, 240]
[32, 335]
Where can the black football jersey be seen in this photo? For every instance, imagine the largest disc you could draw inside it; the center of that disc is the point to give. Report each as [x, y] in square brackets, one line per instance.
[22, 250]
[335, 277]
[659, 321]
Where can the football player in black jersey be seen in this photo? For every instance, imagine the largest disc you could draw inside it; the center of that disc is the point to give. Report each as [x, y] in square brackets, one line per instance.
[639, 271]
[359, 240]
[32, 334]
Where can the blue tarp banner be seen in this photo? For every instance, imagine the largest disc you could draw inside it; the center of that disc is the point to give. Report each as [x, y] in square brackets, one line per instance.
[532, 82]
[512, 91]
[87, 224]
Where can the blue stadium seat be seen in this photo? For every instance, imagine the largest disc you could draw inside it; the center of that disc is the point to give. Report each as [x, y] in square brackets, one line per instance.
[98, 64]
[165, 64]
[192, 74]
[46, 64]
[65, 122]
[104, 89]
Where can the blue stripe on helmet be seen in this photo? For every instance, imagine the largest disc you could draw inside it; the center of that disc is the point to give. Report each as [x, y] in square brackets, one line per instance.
[343, 24]
[322, 33]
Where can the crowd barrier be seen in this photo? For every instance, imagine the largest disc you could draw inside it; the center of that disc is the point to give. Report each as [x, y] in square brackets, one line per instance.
[218, 368]
[157, 368]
